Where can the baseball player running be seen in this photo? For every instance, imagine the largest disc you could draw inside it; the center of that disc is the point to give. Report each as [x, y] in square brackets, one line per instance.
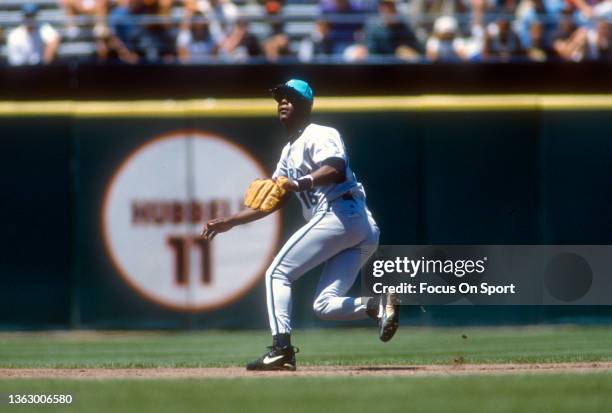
[340, 231]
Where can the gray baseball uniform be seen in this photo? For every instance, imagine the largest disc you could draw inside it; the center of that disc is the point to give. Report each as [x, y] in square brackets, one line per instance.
[340, 232]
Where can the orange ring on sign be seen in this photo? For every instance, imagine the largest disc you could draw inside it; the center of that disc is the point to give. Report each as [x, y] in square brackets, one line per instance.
[123, 273]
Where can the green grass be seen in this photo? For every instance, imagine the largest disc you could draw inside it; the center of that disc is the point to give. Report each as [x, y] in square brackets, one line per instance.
[318, 347]
[584, 393]
[457, 394]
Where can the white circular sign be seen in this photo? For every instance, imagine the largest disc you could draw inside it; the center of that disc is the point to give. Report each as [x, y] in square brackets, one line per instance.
[154, 210]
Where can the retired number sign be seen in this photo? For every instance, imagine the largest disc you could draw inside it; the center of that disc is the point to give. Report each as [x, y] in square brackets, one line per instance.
[155, 207]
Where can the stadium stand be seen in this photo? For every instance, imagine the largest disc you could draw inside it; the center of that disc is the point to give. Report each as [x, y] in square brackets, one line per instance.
[475, 28]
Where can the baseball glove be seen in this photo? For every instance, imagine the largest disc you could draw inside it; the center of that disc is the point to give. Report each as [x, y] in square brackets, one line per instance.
[265, 194]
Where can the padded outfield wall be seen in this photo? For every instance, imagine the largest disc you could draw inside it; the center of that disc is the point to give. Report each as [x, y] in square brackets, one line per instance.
[103, 200]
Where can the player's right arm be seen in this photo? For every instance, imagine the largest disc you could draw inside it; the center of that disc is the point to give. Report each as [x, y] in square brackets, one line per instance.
[219, 225]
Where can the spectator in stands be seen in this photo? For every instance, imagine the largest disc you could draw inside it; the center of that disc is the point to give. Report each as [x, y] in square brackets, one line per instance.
[318, 44]
[109, 48]
[151, 40]
[505, 7]
[472, 44]
[575, 47]
[276, 44]
[32, 43]
[123, 28]
[600, 41]
[221, 14]
[388, 34]
[570, 40]
[444, 45]
[592, 8]
[94, 9]
[240, 44]
[501, 41]
[543, 12]
[195, 41]
[356, 52]
[422, 12]
[537, 49]
[157, 39]
[586, 43]
[345, 21]
[432, 7]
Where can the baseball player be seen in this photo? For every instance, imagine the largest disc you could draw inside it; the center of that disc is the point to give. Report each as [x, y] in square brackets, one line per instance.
[339, 232]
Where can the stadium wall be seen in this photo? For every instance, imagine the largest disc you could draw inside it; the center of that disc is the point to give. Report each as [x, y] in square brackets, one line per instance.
[457, 170]
[81, 81]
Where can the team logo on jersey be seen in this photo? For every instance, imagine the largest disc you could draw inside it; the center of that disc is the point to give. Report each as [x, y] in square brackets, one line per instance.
[154, 210]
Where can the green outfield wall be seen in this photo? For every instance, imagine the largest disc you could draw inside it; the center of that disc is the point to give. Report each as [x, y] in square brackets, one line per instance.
[102, 202]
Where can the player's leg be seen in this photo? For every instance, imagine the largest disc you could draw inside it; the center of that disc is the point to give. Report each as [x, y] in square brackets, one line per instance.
[320, 239]
[384, 308]
[339, 274]
[316, 242]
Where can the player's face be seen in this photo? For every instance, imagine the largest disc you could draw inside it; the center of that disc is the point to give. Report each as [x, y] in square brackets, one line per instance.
[285, 109]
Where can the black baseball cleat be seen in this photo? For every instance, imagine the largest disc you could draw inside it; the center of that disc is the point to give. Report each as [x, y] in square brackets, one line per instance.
[278, 358]
[389, 320]
[385, 309]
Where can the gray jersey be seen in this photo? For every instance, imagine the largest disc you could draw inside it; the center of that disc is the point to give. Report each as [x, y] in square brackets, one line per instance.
[305, 155]
[340, 232]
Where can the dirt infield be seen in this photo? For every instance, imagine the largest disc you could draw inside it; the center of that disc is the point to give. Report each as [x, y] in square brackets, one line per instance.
[306, 371]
